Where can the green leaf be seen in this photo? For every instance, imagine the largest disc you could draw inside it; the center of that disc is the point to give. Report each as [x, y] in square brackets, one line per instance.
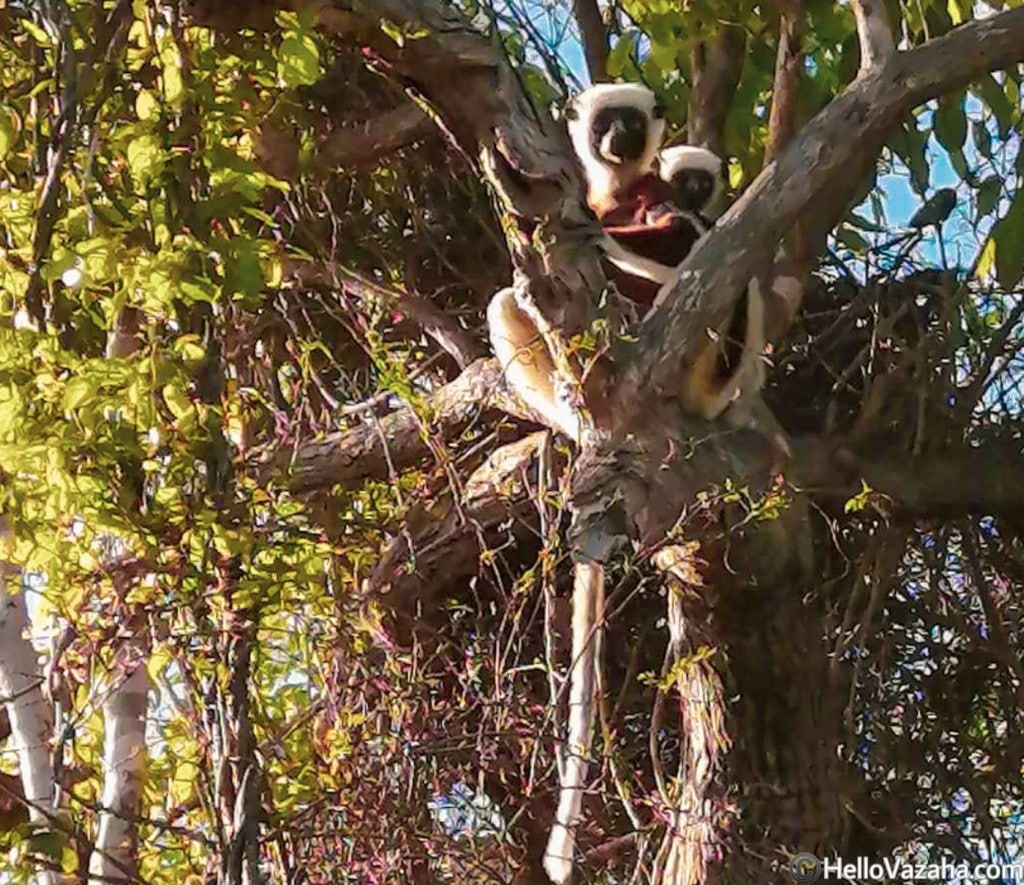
[8, 131]
[911, 147]
[853, 241]
[36, 32]
[859, 501]
[298, 61]
[146, 105]
[951, 122]
[982, 137]
[145, 157]
[621, 56]
[993, 96]
[986, 261]
[189, 348]
[78, 392]
[1008, 235]
[989, 192]
[177, 401]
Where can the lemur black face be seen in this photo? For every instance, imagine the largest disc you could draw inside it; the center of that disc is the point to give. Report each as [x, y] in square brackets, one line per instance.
[694, 188]
[619, 134]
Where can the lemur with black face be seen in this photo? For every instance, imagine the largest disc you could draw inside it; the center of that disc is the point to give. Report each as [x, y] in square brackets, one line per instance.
[652, 211]
[623, 127]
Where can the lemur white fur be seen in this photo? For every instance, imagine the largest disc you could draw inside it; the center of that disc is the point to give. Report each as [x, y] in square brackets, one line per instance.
[531, 371]
[606, 176]
[515, 337]
[683, 157]
[698, 396]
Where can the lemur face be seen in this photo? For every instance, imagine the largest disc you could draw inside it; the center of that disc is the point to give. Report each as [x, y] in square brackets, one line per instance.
[619, 135]
[696, 174]
[694, 188]
[616, 129]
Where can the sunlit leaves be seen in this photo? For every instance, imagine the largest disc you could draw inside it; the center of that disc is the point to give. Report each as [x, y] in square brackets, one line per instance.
[298, 56]
[146, 157]
[146, 105]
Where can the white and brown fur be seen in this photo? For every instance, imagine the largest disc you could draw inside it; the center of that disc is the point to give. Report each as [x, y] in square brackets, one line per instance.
[517, 341]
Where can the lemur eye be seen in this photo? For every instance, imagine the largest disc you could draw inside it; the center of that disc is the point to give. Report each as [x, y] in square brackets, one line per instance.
[658, 111]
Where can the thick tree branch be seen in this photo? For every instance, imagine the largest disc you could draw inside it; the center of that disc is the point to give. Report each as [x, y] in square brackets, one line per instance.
[524, 153]
[397, 441]
[594, 37]
[970, 481]
[363, 143]
[716, 67]
[853, 125]
[21, 691]
[124, 761]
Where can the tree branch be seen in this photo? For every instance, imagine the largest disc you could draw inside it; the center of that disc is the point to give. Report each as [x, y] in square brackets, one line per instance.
[367, 142]
[853, 125]
[594, 37]
[524, 154]
[874, 34]
[716, 67]
[788, 60]
[444, 329]
[992, 476]
[397, 441]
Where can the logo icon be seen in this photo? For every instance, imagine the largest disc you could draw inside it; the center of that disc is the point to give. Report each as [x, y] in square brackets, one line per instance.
[805, 868]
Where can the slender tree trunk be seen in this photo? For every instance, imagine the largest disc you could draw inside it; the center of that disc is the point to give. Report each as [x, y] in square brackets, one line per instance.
[21, 690]
[115, 856]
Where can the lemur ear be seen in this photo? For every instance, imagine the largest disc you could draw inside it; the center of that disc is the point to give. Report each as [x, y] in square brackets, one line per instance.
[570, 111]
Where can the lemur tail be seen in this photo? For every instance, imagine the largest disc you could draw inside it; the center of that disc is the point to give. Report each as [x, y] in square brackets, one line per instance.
[587, 619]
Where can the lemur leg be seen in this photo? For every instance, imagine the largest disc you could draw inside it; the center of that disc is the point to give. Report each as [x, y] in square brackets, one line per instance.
[527, 363]
[587, 623]
[705, 392]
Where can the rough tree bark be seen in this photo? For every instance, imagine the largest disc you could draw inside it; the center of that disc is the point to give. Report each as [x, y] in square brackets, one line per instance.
[594, 36]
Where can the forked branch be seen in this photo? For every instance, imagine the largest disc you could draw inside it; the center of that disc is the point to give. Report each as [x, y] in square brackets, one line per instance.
[855, 123]
[874, 34]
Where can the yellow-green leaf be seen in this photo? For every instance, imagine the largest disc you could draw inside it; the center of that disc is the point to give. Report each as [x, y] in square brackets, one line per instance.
[177, 400]
[298, 60]
[146, 105]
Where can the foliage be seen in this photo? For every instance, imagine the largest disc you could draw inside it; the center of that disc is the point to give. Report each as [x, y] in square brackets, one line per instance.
[171, 172]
